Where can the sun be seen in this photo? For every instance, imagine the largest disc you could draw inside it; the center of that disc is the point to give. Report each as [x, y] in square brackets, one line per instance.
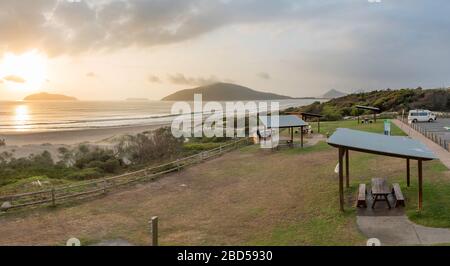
[27, 71]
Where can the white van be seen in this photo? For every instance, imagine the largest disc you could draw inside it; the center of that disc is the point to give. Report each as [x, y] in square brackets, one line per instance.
[415, 116]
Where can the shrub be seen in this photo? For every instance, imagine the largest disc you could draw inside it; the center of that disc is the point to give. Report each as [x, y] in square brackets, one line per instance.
[111, 166]
[86, 157]
[146, 147]
[86, 173]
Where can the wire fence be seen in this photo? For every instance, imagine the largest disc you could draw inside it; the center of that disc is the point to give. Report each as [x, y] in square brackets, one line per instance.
[432, 135]
[104, 185]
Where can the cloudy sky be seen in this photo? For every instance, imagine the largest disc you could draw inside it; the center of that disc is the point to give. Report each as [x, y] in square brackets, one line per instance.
[107, 49]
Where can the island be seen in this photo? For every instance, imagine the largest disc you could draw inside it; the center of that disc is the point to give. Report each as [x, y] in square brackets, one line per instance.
[331, 94]
[223, 92]
[44, 96]
[137, 99]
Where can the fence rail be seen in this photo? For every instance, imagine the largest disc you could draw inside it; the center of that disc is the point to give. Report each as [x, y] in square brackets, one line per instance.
[442, 114]
[436, 138]
[60, 194]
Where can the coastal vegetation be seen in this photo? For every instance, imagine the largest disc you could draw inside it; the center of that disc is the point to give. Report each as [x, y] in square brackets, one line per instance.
[85, 161]
[387, 100]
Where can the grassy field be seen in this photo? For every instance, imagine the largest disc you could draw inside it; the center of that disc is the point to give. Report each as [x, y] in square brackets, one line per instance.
[330, 127]
[246, 197]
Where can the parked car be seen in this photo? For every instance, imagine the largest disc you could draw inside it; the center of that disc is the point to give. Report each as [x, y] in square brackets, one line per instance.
[415, 116]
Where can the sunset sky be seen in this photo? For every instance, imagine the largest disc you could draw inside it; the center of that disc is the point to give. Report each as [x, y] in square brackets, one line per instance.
[111, 50]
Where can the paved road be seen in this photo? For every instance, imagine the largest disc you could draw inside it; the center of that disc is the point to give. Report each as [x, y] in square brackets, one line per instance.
[438, 128]
[444, 155]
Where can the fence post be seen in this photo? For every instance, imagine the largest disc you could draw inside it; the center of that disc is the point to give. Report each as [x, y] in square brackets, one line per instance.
[105, 185]
[178, 165]
[53, 197]
[154, 230]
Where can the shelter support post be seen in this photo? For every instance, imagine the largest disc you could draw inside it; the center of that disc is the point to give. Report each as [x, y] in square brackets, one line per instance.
[301, 137]
[341, 178]
[292, 135]
[407, 173]
[347, 174]
[374, 117]
[419, 162]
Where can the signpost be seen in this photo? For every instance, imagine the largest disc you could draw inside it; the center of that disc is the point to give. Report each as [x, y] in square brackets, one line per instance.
[387, 127]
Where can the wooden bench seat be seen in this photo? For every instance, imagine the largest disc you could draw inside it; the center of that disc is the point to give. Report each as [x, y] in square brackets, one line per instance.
[361, 200]
[399, 199]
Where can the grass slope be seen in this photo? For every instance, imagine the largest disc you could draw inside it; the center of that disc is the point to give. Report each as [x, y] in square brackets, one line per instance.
[246, 197]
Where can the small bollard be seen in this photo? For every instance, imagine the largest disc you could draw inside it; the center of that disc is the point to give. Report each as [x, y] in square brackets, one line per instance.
[154, 230]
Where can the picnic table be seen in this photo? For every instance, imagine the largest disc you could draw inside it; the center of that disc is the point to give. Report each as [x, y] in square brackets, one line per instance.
[380, 191]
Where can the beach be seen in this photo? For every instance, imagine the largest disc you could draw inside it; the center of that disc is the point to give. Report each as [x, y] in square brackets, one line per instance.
[30, 127]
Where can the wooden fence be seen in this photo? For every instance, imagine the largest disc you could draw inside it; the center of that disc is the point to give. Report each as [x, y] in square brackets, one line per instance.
[100, 186]
[436, 138]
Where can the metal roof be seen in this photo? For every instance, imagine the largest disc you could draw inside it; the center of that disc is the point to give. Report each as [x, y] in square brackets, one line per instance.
[283, 121]
[368, 108]
[311, 114]
[394, 146]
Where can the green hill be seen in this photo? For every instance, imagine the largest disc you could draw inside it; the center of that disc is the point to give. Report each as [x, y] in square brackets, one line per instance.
[223, 92]
[386, 100]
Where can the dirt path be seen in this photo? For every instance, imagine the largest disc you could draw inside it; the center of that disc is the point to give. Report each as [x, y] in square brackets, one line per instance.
[315, 139]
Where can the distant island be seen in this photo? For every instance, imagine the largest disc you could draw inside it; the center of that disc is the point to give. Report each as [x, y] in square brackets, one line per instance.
[223, 92]
[136, 99]
[44, 96]
[331, 94]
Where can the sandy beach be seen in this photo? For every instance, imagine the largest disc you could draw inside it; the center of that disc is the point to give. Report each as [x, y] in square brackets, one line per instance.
[22, 144]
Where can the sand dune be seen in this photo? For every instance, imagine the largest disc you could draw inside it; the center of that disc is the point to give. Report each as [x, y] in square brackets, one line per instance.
[22, 144]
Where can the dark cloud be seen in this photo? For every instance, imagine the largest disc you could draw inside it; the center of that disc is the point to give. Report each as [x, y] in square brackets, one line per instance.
[263, 75]
[70, 27]
[91, 75]
[153, 79]
[14, 78]
[181, 79]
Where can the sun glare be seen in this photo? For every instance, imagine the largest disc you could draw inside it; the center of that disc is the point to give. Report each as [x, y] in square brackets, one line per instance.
[21, 117]
[27, 71]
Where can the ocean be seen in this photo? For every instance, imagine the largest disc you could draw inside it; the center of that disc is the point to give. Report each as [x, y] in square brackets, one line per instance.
[37, 116]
